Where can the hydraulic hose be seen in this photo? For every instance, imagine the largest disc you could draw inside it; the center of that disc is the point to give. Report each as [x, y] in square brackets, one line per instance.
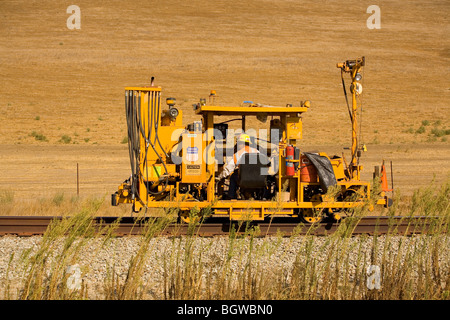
[136, 128]
[154, 117]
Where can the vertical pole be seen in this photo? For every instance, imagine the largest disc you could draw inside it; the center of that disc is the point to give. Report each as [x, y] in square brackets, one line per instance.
[210, 165]
[354, 127]
[392, 180]
[78, 181]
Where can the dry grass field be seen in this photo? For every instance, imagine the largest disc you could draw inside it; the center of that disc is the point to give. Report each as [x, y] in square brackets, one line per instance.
[61, 93]
[62, 104]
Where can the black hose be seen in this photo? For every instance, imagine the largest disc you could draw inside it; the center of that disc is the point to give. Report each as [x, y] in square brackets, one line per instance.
[345, 94]
[154, 117]
[129, 117]
[135, 129]
[156, 131]
[349, 112]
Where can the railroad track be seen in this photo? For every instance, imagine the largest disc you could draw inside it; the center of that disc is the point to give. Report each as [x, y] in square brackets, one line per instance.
[38, 225]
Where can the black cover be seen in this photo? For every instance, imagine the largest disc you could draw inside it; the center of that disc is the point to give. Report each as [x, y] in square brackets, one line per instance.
[251, 170]
[324, 170]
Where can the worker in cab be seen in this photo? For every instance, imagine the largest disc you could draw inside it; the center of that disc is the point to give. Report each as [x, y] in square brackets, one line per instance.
[232, 166]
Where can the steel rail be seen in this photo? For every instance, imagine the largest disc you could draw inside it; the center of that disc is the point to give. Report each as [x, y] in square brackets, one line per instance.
[38, 225]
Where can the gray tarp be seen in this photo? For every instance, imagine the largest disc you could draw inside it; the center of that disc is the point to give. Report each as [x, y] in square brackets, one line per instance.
[324, 170]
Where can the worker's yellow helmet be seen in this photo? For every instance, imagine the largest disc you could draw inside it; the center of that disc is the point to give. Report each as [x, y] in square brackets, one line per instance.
[244, 138]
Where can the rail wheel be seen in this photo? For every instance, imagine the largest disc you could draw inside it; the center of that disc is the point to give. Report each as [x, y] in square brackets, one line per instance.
[311, 216]
[188, 217]
[335, 214]
[348, 195]
[353, 194]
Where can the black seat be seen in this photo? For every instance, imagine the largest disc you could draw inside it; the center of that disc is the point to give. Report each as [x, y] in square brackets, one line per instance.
[253, 171]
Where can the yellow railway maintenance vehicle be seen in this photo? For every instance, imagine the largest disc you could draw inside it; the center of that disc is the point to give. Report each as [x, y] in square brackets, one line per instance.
[196, 166]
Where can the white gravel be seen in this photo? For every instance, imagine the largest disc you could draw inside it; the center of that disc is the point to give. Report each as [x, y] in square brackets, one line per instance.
[164, 256]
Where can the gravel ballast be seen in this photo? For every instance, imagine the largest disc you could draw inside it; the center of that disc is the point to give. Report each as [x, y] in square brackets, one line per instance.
[97, 260]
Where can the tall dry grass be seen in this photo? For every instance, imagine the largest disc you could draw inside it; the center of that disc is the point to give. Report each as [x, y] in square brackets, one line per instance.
[45, 270]
[57, 204]
[245, 265]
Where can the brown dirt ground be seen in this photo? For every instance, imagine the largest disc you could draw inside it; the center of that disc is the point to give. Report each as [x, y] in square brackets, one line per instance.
[57, 81]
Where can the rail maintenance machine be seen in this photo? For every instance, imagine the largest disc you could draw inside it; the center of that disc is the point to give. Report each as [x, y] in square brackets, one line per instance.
[178, 166]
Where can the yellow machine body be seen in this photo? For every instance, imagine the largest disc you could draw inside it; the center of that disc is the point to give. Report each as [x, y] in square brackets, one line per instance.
[193, 169]
[176, 165]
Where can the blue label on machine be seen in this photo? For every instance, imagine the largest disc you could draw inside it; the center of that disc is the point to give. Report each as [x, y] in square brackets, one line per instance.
[192, 154]
[192, 150]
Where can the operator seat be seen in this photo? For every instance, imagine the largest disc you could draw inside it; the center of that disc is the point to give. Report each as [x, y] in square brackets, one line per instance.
[253, 171]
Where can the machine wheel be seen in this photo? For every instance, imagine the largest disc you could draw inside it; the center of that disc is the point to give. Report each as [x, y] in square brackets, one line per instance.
[335, 214]
[188, 217]
[312, 219]
[309, 216]
[350, 194]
